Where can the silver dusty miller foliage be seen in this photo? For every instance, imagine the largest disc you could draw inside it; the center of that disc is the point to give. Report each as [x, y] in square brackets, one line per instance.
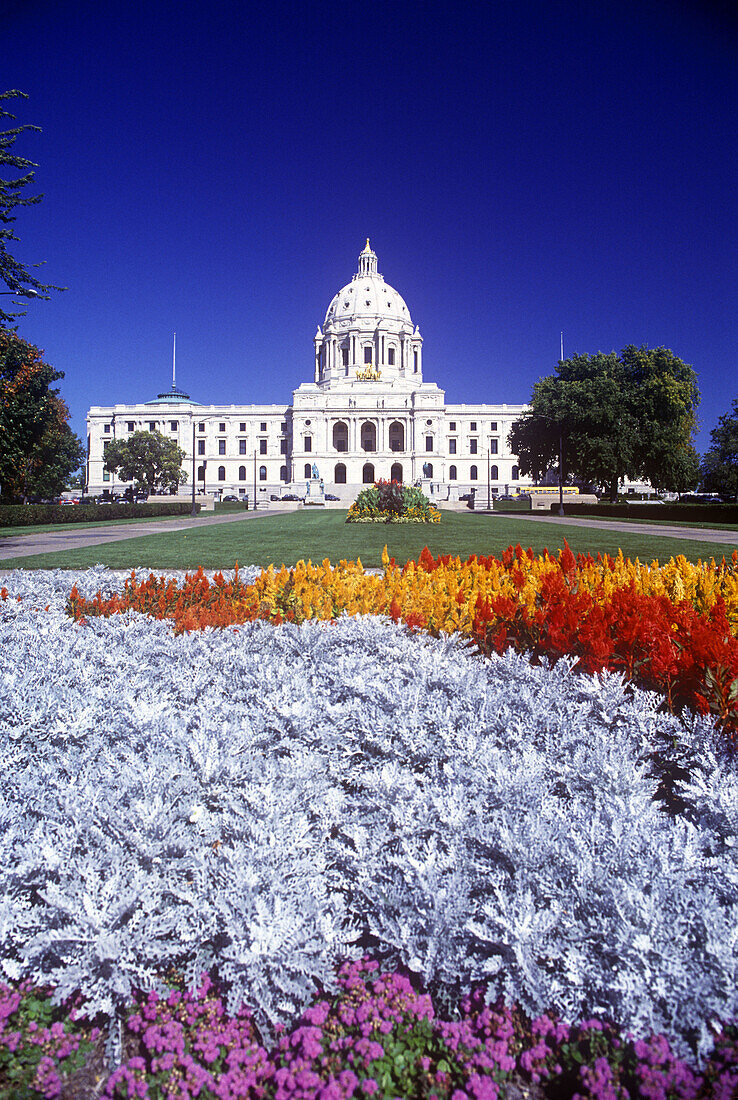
[267, 801]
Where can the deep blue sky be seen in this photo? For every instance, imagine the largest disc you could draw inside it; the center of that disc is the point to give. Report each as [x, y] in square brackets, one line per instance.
[520, 167]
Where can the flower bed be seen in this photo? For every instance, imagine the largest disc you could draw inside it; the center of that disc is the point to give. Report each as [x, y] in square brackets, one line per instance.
[264, 804]
[392, 502]
[378, 1037]
[668, 628]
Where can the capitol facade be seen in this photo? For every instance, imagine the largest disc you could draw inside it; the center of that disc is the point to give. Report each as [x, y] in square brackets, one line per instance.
[366, 414]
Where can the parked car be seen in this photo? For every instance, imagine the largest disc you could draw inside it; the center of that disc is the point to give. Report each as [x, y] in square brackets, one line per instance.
[331, 496]
[232, 498]
[290, 496]
[466, 496]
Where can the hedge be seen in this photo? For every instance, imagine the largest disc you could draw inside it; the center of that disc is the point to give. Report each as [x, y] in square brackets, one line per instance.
[30, 515]
[686, 513]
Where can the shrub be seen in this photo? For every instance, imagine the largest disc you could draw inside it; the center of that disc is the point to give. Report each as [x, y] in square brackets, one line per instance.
[29, 515]
[392, 502]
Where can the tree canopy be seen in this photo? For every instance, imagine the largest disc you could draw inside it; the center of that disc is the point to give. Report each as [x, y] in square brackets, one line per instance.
[148, 459]
[629, 415]
[14, 274]
[719, 468]
[38, 450]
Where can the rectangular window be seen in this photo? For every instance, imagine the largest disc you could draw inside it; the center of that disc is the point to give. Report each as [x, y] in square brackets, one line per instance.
[173, 425]
[429, 443]
[391, 356]
[472, 446]
[242, 446]
[262, 446]
[345, 352]
[201, 446]
[308, 443]
[263, 426]
[493, 426]
[221, 446]
[106, 475]
[493, 446]
[222, 426]
[283, 446]
[452, 446]
[452, 426]
[131, 426]
[106, 444]
[201, 427]
[107, 427]
[367, 355]
[152, 425]
[242, 426]
[473, 426]
[283, 426]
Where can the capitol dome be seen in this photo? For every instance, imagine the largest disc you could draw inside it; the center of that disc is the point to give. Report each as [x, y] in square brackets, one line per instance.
[367, 302]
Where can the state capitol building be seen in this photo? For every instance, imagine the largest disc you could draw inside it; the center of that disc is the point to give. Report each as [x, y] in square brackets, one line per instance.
[367, 414]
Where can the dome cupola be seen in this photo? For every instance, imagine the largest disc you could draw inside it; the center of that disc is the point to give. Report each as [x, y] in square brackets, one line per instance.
[367, 334]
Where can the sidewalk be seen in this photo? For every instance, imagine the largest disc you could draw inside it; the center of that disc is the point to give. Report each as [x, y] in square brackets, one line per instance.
[696, 534]
[48, 542]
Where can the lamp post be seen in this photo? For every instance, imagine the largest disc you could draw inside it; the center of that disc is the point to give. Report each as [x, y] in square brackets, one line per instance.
[194, 509]
[255, 504]
[489, 485]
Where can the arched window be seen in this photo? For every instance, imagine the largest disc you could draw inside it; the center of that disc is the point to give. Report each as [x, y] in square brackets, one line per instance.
[396, 436]
[367, 474]
[396, 471]
[493, 473]
[307, 470]
[368, 437]
[473, 474]
[221, 473]
[339, 474]
[241, 473]
[262, 473]
[340, 436]
[452, 473]
[427, 469]
[514, 474]
[200, 473]
[283, 474]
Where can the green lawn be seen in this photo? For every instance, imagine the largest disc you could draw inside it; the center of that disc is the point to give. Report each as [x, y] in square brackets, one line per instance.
[294, 535]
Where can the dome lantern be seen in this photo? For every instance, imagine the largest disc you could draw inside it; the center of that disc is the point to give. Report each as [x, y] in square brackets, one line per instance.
[367, 261]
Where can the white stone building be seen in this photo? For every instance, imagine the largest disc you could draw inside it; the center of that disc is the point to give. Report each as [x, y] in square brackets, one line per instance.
[366, 414]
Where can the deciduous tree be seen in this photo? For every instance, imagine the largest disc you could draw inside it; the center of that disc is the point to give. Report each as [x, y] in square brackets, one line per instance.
[628, 415]
[719, 468]
[14, 274]
[148, 459]
[38, 450]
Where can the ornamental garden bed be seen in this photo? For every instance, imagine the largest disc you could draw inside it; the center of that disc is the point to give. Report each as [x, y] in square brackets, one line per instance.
[260, 777]
[392, 502]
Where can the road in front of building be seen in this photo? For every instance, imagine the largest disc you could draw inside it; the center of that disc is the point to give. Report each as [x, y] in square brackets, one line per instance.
[49, 542]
